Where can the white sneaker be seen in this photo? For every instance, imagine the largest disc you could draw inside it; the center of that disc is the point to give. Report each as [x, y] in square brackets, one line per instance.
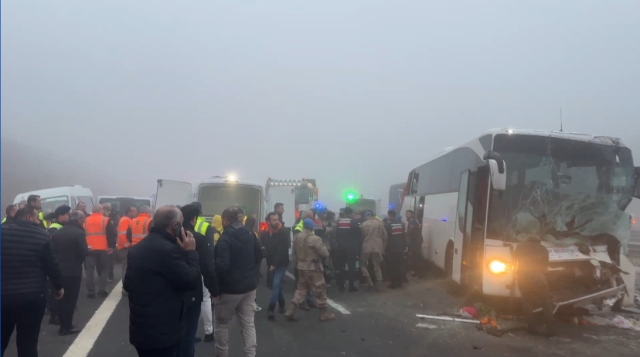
[258, 308]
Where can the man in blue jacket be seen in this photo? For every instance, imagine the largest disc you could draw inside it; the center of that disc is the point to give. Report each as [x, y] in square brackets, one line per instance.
[237, 257]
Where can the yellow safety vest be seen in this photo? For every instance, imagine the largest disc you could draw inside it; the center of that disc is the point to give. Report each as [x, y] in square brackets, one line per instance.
[201, 225]
[4, 219]
[41, 218]
[55, 225]
[299, 226]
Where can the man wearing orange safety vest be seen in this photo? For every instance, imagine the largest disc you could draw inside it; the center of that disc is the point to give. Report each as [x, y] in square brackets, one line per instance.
[101, 239]
[124, 237]
[140, 225]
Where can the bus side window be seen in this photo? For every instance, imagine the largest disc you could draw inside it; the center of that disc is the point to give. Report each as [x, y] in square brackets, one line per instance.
[72, 202]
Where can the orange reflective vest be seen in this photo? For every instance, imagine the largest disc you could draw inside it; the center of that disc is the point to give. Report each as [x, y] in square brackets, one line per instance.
[123, 227]
[140, 227]
[96, 231]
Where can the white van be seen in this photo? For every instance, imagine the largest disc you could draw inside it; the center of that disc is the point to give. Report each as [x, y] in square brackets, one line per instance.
[119, 203]
[53, 197]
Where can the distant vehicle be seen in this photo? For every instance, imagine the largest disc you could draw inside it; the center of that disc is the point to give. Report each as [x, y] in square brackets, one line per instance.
[395, 196]
[120, 203]
[476, 200]
[53, 197]
[296, 195]
[215, 194]
[362, 203]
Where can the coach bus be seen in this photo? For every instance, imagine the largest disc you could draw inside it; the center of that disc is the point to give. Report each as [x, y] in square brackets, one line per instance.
[478, 200]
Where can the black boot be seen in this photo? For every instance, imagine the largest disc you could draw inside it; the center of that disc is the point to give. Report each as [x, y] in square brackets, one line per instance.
[281, 306]
[271, 312]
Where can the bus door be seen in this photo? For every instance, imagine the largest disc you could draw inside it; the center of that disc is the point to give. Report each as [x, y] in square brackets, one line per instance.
[477, 229]
[462, 236]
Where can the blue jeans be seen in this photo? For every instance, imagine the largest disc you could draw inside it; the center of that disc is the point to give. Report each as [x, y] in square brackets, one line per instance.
[186, 346]
[276, 291]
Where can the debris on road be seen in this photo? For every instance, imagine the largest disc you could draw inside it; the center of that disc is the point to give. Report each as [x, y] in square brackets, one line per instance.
[423, 325]
[446, 318]
[624, 323]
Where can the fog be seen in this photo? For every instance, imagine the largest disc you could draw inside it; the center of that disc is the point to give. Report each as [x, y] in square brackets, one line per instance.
[114, 95]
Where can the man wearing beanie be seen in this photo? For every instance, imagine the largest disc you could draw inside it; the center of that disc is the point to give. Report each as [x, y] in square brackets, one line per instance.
[70, 247]
[309, 253]
[58, 219]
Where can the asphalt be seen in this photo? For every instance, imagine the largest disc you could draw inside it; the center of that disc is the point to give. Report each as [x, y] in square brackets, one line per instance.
[378, 324]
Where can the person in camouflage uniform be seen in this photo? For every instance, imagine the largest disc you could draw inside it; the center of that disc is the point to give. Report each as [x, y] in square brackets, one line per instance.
[309, 254]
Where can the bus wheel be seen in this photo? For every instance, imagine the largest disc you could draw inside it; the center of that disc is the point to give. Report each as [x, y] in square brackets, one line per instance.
[448, 261]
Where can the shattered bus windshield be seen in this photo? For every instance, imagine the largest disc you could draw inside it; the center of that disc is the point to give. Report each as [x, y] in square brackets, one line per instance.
[563, 190]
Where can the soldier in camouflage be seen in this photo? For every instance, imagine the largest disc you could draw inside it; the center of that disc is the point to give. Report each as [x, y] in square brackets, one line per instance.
[309, 253]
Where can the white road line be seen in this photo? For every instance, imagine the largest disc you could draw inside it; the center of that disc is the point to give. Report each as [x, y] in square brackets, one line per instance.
[333, 304]
[90, 333]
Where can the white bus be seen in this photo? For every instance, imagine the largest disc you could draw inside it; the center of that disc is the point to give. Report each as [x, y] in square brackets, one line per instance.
[478, 200]
[215, 194]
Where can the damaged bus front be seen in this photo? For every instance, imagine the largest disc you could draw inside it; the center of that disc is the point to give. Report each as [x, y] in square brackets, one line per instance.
[571, 191]
[476, 201]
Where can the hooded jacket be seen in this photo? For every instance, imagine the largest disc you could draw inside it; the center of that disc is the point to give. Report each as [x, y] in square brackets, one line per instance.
[237, 260]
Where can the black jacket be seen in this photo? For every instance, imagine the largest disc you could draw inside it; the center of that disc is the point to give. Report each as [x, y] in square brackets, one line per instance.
[237, 258]
[207, 269]
[397, 241]
[276, 247]
[159, 274]
[349, 235]
[27, 261]
[70, 247]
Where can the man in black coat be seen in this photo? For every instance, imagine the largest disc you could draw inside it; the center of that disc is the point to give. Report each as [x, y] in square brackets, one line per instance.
[27, 262]
[70, 247]
[276, 240]
[161, 269]
[238, 254]
[193, 300]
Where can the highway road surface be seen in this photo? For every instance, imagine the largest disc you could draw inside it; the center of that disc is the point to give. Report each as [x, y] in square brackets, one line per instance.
[367, 324]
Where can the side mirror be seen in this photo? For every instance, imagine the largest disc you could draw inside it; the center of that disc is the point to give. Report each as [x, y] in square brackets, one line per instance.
[498, 169]
[636, 192]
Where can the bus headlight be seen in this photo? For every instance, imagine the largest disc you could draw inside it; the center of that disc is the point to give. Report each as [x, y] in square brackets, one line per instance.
[497, 267]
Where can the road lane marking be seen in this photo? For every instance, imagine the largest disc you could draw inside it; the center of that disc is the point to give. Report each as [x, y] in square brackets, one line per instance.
[83, 344]
[332, 303]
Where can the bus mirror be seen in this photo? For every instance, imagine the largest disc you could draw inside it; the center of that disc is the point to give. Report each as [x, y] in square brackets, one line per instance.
[636, 193]
[498, 174]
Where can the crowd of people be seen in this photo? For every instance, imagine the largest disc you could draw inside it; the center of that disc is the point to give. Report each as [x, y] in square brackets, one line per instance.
[178, 268]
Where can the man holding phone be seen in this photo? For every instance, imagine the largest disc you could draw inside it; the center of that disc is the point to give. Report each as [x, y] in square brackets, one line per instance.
[199, 300]
[161, 269]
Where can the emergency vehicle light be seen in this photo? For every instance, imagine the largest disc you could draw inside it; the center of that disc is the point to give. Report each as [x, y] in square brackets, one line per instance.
[497, 267]
[351, 197]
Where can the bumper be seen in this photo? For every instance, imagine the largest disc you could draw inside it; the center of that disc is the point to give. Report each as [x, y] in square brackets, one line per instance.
[590, 299]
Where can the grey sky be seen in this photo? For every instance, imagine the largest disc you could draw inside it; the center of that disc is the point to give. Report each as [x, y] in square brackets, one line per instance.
[352, 93]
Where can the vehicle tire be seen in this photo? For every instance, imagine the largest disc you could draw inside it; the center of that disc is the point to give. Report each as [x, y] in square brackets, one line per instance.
[448, 261]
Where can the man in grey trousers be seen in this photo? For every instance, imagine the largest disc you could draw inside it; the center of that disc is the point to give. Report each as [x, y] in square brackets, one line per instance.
[237, 257]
